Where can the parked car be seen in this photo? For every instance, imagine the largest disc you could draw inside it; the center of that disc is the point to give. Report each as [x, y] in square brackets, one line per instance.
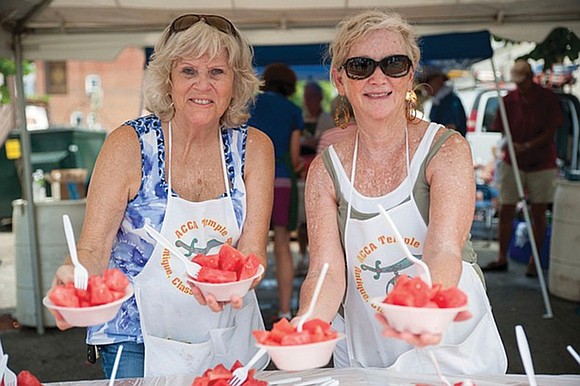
[480, 105]
[482, 114]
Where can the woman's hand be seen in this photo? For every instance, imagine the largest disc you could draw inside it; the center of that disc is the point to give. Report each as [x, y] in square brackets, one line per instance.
[64, 274]
[235, 301]
[419, 340]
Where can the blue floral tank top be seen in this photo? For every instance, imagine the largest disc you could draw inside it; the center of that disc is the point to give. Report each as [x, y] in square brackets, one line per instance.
[130, 252]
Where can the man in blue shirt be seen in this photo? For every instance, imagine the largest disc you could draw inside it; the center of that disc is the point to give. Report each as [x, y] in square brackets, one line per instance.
[446, 107]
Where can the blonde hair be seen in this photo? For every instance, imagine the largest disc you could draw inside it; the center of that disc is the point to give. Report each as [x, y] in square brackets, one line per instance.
[194, 42]
[360, 25]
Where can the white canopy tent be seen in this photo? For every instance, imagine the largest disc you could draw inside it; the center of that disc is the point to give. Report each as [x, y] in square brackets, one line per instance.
[99, 29]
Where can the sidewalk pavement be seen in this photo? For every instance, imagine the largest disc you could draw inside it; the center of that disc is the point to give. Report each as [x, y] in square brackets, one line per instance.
[515, 298]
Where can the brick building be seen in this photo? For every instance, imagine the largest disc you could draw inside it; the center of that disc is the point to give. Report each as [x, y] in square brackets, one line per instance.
[93, 94]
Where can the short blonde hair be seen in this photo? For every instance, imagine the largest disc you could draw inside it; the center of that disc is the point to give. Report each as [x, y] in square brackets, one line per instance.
[360, 25]
[194, 42]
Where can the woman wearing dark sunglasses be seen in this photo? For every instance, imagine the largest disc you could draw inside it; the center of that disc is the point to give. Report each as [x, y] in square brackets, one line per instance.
[422, 173]
[194, 171]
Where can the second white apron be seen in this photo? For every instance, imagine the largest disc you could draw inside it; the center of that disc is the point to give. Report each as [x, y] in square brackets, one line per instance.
[180, 335]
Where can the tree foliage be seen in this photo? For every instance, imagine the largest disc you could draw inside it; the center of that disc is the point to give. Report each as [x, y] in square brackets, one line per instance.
[560, 43]
[8, 68]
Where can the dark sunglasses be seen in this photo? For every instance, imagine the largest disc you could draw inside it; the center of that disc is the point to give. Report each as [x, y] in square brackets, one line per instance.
[220, 23]
[394, 66]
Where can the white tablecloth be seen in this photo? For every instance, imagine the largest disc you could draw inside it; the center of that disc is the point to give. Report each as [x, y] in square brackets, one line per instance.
[353, 376]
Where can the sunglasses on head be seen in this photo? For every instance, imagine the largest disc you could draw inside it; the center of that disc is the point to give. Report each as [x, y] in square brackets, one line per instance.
[394, 66]
[220, 23]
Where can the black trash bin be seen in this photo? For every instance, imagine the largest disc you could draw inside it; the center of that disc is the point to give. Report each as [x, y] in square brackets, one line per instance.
[54, 148]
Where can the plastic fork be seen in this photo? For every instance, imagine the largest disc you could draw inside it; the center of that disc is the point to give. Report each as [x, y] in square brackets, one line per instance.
[426, 275]
[115, 365]
[81, 275]
[317, 289]
[573, 353]
[9, 376]
[524, 350]
[442, 377]
[241, 373]
[3, 362]
[191, 267]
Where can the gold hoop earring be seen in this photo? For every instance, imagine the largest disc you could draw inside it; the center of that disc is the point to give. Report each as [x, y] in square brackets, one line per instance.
[342, 113]
[411, 105]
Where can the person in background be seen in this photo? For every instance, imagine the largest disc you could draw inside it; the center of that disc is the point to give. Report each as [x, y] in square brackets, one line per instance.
[534, 114]
[422, 173]
[281, 120]
[316, 122]
[345, 124]
[446, 107]
[192, 161]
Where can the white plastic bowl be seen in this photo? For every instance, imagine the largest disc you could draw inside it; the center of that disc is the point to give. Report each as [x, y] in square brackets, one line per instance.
[303, 356]
[224, 291]
[417, 320]
[89, 316]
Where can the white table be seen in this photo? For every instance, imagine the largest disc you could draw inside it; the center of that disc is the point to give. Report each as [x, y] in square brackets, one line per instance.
[353, 376]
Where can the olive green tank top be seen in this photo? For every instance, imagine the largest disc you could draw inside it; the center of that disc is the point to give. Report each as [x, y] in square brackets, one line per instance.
[421, 191]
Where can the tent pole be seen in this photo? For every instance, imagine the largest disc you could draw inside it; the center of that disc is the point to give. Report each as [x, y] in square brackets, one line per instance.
[27, 182]
[520, 189]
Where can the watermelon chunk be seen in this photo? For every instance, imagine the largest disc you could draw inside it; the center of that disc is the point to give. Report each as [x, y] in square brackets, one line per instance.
[115, 280]
[250, 267]
[64, 296]
[211, 275]
[99, 293]
[230, 258]
[211, 261]
[285, 334]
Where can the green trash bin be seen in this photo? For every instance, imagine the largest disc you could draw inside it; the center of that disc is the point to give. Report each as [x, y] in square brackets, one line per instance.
[54, 148]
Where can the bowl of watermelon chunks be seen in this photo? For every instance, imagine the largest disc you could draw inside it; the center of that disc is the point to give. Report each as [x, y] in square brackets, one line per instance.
[221, 376]
[227, 273]
[415, 307]
[98, 304]
[291, 350]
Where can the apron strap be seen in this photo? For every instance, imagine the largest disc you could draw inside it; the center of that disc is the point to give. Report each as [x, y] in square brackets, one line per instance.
[224, 168]
[169, 148]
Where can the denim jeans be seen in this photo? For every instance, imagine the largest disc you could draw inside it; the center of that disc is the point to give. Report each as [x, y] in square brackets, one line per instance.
[131, 364]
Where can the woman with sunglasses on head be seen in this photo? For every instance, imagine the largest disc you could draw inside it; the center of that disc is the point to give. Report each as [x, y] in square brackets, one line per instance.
[195, 172]
[422, 174]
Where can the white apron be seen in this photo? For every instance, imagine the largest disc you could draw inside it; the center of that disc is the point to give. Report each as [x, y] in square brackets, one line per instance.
[180, 335]
[373, 261]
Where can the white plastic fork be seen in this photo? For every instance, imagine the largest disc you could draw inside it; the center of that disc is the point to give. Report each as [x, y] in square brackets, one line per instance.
[3, 361]
[442, 377]
[241, 373]
[317, 289]
[573, 353]
[116, 365]
[81, 275]
[525, 354]
[191, 267]
[426, 274]
[9, 376]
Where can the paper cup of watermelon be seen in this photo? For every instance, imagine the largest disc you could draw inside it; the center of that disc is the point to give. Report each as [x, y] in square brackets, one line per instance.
[226, 274]
[291, 350]
[415, 307]
[98, 304]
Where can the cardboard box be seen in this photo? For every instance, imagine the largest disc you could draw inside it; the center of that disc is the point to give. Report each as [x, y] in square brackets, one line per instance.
[68, 184]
